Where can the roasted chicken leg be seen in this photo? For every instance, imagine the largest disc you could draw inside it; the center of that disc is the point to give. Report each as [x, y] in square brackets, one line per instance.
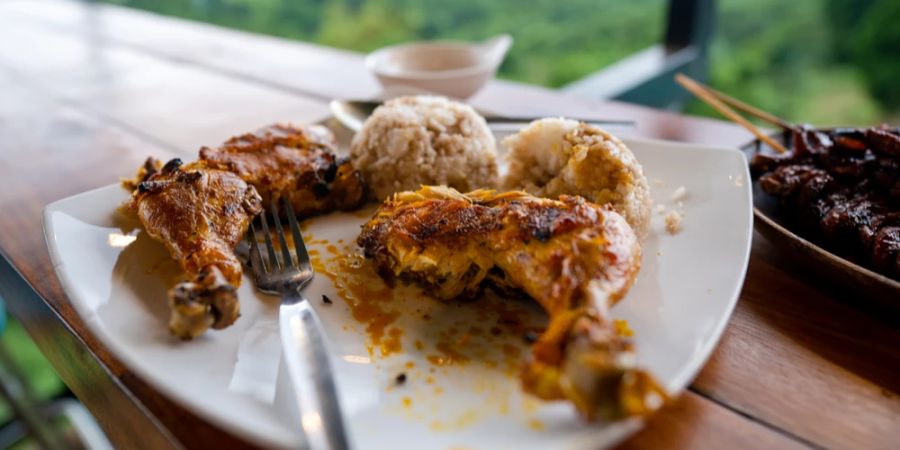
[575, 258]
[200, 214]
[201, 210]
[294, 162]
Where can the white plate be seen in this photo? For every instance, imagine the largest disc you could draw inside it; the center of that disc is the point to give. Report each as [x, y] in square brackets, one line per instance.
[117, 281]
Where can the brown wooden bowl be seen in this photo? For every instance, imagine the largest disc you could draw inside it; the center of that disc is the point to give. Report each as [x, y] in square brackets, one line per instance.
[822, 265]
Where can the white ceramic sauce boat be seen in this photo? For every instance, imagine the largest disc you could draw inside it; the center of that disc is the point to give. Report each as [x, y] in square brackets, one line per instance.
[451, 68]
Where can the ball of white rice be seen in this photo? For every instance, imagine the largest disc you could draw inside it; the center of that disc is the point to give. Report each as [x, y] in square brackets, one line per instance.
[552, 157]
[424, 140]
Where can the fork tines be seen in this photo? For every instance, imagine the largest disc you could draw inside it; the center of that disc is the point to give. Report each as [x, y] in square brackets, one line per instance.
[258, 261]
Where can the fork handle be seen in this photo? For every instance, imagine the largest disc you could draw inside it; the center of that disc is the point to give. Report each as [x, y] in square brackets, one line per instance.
[306, 354]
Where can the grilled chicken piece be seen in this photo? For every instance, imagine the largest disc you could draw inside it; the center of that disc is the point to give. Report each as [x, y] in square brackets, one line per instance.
[201, 210]
[294, 162]
[575, 258]
[200, 214]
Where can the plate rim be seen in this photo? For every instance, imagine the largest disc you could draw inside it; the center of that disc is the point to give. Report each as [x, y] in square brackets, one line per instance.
[95, 327]
[706, 352]
[823, 252]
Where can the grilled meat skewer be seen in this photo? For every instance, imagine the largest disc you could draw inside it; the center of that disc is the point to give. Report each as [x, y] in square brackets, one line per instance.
[844, 189]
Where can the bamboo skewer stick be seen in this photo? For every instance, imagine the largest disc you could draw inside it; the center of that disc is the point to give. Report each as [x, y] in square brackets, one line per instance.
[741, 106]
[703, 93]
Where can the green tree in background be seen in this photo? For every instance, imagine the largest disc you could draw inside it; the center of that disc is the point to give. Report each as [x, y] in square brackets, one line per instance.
[875, 49]
[556, 41]
[803, 59]
[825, 62]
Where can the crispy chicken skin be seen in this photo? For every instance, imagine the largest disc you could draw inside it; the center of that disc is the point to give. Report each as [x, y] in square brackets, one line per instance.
[297, 162]
[575, 258]
[200, 214]
[201, 210]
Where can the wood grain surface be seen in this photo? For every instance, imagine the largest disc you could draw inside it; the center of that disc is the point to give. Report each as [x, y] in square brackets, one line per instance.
[89, 91]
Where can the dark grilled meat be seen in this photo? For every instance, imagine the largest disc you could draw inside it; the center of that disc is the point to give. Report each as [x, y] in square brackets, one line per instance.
[842, 189]
[886, 249]
[883, 140]
[809, 141]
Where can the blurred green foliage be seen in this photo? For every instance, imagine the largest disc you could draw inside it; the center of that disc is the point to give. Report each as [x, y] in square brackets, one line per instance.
[818, 61]
[41, 378]
[827, 62]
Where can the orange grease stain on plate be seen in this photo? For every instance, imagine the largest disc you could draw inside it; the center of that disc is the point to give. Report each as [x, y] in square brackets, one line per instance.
[367, 296]
[496, 343]
[462, 421]
[392, 343]
[505, 325]
[622, 328]
[449, 356]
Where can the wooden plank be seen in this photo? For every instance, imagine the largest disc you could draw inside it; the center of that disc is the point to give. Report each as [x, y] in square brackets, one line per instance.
[308, 70]
[694, 422]
[325, 73]
[802, 360]
[178, 106]
[513, 99]
[46, 149]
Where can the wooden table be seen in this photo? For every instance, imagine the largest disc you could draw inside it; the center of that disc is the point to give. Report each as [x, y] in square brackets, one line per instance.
[87, 92]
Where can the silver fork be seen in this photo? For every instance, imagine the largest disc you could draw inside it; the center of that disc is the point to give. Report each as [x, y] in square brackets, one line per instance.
[302, 336]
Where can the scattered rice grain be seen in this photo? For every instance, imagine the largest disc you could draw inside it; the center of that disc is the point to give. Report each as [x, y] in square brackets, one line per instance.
[673, 222]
